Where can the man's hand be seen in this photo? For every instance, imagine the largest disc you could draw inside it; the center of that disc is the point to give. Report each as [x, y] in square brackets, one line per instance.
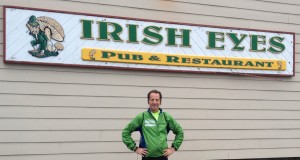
[141, 151]
[169, 151]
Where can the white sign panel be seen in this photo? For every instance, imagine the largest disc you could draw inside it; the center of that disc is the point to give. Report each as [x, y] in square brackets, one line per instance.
[52, 38]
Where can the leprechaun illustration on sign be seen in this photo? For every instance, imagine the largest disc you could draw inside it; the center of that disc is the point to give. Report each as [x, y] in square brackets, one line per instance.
[43, 30]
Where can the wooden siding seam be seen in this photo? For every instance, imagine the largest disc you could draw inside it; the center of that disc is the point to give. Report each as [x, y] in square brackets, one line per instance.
[261, 78]
[168, 108]
[178, 1]
[282, 2]
[161, 87]
[169, 140]
[130, 152]
[128, 119]
[183, 76]
[243, 8]
[188, 129]
[178, 98]
[158, 10]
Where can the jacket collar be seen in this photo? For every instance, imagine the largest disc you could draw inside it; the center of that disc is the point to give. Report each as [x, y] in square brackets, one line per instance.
[160, 110]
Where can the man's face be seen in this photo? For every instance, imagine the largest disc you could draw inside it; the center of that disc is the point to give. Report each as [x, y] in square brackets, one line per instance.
[154, 102]
[34, 30]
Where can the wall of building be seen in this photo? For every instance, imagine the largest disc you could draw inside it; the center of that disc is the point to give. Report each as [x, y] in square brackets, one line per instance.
[66, 113]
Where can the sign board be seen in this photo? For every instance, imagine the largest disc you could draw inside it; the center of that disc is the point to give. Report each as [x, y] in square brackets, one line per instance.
[57, 38]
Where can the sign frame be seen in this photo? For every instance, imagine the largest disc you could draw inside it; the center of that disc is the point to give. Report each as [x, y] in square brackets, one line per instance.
[140, 69]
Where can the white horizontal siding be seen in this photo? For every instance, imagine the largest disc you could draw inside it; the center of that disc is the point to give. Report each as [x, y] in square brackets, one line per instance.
[127, 102]
[111, 124]
[118, 91]
[255, 153]
[94, 78]
[113, 147]
[109, 113]
[90, 156]
[66, 113]
[260, 5]
[61, 136]
[290, 2]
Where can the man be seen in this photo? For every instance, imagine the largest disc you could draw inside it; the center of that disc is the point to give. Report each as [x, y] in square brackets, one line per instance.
[153, 126]
[40, 39]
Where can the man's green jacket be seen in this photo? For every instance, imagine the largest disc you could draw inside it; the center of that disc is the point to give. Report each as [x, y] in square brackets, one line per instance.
[153, 132]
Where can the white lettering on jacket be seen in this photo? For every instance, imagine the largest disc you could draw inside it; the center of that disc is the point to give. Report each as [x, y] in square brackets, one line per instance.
[149, 123]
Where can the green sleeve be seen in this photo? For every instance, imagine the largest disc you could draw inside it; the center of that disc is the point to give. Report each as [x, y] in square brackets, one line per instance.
[177, 130]
[131, 127]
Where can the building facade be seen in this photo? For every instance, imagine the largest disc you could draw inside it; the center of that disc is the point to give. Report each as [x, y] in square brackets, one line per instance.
[68, 112]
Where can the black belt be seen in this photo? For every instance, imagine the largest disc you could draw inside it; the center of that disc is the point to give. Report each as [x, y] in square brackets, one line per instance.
[155, 158]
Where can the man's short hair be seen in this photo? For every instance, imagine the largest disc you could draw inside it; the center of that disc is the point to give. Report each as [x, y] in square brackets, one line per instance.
[154, 91]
